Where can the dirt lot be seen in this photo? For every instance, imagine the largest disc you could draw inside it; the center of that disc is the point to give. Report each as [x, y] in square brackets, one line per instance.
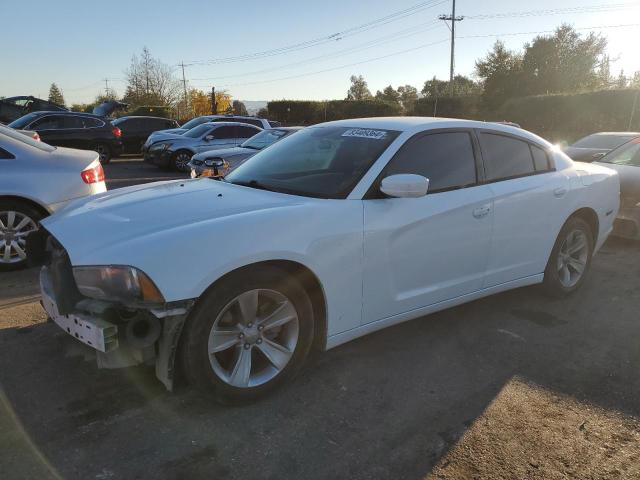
[512, 386]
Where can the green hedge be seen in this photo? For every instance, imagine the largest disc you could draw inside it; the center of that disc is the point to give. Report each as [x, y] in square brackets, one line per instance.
[449, 107]
[301, 112]
[569, 117]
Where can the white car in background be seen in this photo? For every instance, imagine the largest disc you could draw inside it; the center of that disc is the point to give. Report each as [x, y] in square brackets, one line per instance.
[37, 179]
[337, 231]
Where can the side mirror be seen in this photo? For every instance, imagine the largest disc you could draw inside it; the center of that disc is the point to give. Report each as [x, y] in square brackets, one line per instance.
[405, 185]
[208, 138]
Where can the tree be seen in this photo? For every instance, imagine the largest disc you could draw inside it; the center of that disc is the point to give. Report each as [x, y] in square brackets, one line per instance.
[359, 89]
[388, 95]
[408, 96]
[462, 85]
[239, 108]
[565, 62]
[500, 72]
[263, 113]
[634, 82]
[622, 81]
[55, 95]
[151, 82]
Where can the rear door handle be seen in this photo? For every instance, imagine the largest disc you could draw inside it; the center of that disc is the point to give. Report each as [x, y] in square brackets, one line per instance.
[560, 192]
[482, 211]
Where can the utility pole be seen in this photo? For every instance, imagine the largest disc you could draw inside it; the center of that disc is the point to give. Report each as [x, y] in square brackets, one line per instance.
[453, 19]
[184, 84]
[106, 87]
[214, 106]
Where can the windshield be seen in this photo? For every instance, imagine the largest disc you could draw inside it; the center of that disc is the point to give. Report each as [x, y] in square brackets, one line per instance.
[602, 141]
[322, 162]
[194, 122]
[628, 154]
[198, 131]
[23, 121]
[264, 139]
[21, 137]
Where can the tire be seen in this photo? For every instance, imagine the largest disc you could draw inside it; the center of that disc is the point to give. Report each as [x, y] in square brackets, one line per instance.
[180, 160]
[221, 373]
[562, 275]
[14, 213]
[104, 151]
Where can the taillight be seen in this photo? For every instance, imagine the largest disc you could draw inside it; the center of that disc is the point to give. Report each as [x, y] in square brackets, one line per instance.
[116, 131]
[35, 136]
[93, 174]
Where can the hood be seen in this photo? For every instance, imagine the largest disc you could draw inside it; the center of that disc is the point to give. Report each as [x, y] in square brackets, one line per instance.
[171, 131]
[162, 135]
[225, 153]
[107, 107]
[110, 220]
[585, 154]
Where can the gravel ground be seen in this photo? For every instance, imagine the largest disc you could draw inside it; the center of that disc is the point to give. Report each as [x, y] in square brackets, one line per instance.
[511, 386]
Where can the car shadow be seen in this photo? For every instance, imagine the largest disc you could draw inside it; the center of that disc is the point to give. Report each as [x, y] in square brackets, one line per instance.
[389, 405]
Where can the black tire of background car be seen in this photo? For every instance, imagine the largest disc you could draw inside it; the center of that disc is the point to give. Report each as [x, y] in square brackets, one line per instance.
[104, 151]
[551, 283]
[194, 342]
[25, 209]
[174, 158]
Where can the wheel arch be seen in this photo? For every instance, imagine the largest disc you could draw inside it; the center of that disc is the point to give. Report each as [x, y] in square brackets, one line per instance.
[590, 216]
[29, 201]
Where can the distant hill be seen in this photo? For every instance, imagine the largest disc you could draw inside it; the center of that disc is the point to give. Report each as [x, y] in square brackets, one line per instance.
[254, 105]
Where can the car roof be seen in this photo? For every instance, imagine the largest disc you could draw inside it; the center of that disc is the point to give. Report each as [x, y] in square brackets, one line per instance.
[415, 124]
[143, 116]
[230, 123]
[64, 112]
[615, 134]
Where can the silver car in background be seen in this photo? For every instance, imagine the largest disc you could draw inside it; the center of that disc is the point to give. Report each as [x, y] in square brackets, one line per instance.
[175, 151]
[216, 163]
[36, 180]
[626, 161]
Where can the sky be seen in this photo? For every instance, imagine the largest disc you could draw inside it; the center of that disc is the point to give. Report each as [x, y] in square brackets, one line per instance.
[77, 44]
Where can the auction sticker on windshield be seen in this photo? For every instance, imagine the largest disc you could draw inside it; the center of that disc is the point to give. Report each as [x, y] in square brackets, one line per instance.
[365, 133]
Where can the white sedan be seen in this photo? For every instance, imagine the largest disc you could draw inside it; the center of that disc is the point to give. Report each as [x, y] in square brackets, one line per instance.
[340, 230]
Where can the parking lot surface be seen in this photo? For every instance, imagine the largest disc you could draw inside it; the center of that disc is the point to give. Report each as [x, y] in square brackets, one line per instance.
[512, 386]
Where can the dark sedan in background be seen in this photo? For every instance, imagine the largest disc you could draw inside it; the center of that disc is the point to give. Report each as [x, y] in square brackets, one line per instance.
[593, 147]
[216, 163]
[136, 129]
[74, 130]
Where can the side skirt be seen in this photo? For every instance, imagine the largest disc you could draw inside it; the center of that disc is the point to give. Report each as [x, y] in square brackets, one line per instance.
[344, 337]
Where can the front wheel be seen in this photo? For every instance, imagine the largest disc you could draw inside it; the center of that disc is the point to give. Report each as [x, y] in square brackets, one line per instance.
[248, 335]
[570, 258]
[181, 160]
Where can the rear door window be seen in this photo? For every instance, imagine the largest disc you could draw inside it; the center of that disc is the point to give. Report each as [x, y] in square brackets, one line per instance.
[50, 122]
[245, 132]
[505, 157]
[446, 159]
[540, 159]
[221, 133]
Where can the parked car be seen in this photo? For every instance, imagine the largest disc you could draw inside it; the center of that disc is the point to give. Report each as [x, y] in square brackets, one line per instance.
[36, 180]
[136, 130]
[13, 108]
[28, 133]
[220, 162]
[175, 151]
[626, 161]
[74, 130]
[594, 147]
[337, 231]
[194, 122]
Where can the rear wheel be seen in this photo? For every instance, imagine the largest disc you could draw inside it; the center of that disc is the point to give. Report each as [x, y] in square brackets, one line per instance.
[104, 152]
[570, 258]
[248, 335]
[17, 221]
[181, 159]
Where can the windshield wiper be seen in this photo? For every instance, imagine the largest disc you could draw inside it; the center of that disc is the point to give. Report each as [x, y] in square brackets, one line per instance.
[258, 185]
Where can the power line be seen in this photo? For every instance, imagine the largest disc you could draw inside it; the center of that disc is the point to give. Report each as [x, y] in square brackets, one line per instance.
[453, 19]
[556, 11]
[399, 35]
[595, 27]
[326, 38]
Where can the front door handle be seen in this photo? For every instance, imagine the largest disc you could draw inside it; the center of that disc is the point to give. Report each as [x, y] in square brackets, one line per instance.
[560, 192]
[482, 211]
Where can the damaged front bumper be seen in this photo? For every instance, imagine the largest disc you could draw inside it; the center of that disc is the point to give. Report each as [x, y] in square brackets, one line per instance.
[121, 336]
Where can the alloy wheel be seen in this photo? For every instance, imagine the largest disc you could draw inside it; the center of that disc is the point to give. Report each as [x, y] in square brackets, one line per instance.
[103, 153]
[182, 160]
[572, 258]
[14, 228]
[253, 338]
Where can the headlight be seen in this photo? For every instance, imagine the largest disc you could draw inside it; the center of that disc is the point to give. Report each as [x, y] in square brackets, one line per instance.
[120, 283]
